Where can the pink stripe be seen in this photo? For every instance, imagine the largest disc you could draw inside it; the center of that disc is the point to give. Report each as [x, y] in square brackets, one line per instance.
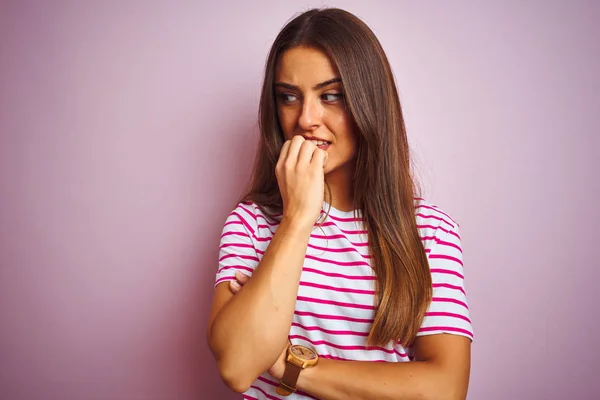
[454, 233]
[449, 300]
[340, 250]
[246, 397]
[330, 357]
[446, 271]
[355, 232]
[446, 328]
[340, 219]
[331, 237]
[338, 346]
[268, 381]
[245, 245]
[448, 286]
[242, 256]
[254, 216]
[337, 289]
[246, 224]
[335, 303]
[263, 226]
[250, 214]
[335, 275]
[270, 223]
[333, 317]
[262, 239]
[443, 243]
[233, 223]
[276, 384]
[245, 268]
[331, 332]
[242, 234]
[447, 314]
[445, 257]
[223, 279]
[268, 396]
[440, 228]
[434, 208]
[347, 232]
[266, 227]
[241, 245]
[340, 263]
[435, 217]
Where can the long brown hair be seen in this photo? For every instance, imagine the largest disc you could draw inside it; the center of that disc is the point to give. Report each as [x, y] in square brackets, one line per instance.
[384, 189]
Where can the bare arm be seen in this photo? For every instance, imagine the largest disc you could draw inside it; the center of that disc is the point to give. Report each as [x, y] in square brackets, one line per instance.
[440, 372]
[247, 333]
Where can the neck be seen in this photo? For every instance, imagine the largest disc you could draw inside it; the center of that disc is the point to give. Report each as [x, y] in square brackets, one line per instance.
[341, 188]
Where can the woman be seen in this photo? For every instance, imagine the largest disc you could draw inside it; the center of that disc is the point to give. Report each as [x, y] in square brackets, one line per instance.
[348, 266]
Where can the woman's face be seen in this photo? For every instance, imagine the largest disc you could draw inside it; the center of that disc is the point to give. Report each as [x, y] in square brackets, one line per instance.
[310, 102]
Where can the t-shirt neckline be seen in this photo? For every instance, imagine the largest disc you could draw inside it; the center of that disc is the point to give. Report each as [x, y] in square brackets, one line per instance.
[339, 213]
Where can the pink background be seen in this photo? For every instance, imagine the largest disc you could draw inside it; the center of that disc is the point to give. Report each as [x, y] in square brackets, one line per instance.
[127, 132]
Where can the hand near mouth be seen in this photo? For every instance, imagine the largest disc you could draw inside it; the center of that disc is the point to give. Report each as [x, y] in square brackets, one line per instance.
[301, 179]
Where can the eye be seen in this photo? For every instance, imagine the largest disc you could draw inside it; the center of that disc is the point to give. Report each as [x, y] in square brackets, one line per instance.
[287, 97]
[332, 97]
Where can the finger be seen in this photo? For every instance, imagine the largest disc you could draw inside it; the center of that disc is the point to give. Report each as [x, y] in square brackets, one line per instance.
[234, 286]
[319, 158]
[292, 155]
[283, 154]
[306, 152]
[241, 278]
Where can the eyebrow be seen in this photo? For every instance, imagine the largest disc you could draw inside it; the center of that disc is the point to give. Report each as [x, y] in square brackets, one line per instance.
[317, 86]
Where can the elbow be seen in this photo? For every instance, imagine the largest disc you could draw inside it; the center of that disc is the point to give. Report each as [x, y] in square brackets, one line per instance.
[234, 378]
[231, 372]
[454, 396]
[448, 393]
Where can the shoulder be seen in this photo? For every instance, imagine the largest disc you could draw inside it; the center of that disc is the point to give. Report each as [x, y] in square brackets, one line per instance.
[434, 224]
[249, 215]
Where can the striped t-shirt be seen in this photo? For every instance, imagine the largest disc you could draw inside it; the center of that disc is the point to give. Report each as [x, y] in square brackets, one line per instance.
[335, 304]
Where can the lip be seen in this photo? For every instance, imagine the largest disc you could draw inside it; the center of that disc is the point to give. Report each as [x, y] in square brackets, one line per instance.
[317, 139]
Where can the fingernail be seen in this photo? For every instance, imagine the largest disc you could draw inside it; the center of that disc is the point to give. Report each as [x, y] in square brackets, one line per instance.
[235, 284]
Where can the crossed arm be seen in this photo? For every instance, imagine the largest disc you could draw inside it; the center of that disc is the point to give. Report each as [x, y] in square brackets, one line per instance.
[440, 371]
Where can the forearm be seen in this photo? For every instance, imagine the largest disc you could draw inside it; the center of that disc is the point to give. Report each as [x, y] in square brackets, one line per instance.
[357, 380]
[250, 331]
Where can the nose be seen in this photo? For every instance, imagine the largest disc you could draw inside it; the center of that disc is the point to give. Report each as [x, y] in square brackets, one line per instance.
[311, 115]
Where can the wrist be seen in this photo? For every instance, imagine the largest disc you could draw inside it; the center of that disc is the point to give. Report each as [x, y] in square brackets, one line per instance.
[299, 360]
[298, 228]
[307, 376]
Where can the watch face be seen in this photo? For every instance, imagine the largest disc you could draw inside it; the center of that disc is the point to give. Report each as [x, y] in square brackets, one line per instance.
[303, 352]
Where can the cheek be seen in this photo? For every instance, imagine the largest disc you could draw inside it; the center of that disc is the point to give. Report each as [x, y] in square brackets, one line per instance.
[344, 131]
[287, 122]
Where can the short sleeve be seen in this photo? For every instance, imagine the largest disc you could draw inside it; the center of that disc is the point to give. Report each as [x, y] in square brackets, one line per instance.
[448, 311]
[237, 251]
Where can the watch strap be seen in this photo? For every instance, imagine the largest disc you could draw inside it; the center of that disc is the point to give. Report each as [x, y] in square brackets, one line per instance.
[287, 385]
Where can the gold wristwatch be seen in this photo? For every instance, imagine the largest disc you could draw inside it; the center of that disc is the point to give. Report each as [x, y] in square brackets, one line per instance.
[298, 358]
